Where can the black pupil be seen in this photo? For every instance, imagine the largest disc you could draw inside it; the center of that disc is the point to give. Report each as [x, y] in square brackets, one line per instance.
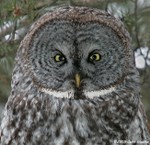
[61, 57]
[93, 57]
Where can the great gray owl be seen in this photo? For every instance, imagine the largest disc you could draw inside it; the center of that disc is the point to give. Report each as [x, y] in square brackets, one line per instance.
[75, 83]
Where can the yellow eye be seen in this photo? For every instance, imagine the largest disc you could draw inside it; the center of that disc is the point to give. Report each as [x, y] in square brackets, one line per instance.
[95, 57]
[59, 57]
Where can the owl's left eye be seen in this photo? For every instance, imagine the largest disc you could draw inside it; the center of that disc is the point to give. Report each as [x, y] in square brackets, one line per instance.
[59, 58]
[94, 57]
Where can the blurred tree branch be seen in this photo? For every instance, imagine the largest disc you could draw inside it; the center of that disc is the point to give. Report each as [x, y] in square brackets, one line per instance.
[13, 26]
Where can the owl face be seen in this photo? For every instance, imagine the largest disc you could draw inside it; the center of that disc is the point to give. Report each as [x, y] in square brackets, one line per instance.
[75, 56]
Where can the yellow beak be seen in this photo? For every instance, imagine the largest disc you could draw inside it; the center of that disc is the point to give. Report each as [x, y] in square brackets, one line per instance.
[77, 80]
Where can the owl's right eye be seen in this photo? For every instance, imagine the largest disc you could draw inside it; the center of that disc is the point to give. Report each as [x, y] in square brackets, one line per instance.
[59, 58]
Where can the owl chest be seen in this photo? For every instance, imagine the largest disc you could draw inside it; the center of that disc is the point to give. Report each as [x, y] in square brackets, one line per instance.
[73, 127]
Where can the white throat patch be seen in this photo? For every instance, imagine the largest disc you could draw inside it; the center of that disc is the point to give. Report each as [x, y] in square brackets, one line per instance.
[58, 94]
[70, 93]
[98, 93]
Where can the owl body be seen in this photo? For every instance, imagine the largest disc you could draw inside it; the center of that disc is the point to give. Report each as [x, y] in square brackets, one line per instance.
[74, 83]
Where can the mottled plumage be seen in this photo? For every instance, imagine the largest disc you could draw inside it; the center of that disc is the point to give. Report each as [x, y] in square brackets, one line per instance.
[74, 83]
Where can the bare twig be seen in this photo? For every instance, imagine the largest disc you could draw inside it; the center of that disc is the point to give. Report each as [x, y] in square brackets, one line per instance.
[106, 5]
[136, 24]
[147, 57]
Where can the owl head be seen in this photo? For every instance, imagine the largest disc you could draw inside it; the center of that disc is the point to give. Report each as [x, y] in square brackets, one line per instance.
[77, 53]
